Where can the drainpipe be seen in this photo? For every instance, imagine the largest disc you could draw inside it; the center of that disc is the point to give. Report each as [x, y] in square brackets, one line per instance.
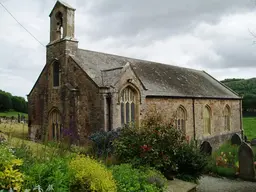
[194, 123]
[241, 116]
[109, 112]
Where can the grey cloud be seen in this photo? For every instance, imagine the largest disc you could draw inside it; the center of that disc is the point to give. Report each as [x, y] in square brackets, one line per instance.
[161, 18]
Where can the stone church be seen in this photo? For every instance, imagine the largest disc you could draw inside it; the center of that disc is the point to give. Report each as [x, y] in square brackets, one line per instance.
[81, 91]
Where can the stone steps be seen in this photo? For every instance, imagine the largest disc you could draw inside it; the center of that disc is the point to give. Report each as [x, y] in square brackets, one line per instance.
[177, 185]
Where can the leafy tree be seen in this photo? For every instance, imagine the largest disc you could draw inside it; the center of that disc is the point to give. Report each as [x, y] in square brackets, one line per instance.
[245, 88]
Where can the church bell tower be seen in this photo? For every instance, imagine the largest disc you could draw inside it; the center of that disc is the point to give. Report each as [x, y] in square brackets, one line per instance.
[62, 22]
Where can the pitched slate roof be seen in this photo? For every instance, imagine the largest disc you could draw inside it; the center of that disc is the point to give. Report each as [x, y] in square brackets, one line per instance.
[158, 79]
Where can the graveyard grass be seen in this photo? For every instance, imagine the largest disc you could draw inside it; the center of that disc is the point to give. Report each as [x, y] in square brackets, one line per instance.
[12, 113]
[249, 125]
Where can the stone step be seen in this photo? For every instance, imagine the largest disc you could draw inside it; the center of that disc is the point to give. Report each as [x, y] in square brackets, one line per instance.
[177, 185]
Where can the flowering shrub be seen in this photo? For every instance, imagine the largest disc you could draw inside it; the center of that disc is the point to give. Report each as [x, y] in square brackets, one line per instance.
[10, 176]
[90, 175]
[161, 147]
[226, 160]
[102, 142]
[131, 179]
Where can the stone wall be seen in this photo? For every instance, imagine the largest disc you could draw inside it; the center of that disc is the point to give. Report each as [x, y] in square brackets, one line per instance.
[168, 106]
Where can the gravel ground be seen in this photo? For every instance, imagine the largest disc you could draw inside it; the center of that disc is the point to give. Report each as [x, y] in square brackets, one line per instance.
[212, 184]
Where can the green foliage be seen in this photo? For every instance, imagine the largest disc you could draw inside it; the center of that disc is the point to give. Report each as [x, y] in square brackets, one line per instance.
[54, 172]
[10, 175]
[5, 101]
[225, 171]
[147, 146]
[245, 88]
[225, 160]
[10, 102]
[249, 124]
[191, 163]
[102, 142]
[131, 179]
[90, 175]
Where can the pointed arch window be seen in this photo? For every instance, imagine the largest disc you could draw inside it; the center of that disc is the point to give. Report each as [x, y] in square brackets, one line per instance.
[56, 74]
[181, 119]
[227, 118]
[55, 126]
[128, 105]
[207, 120]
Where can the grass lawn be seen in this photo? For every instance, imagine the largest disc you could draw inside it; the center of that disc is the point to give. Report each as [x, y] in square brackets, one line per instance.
[249, 125]
[12, 113]
[17, 130]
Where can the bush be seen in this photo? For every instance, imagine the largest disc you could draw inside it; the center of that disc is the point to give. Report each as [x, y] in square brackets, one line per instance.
[148, 146]
[10, 176]
[90, 175]
[102, 142]
[191, 163]
[131, 179]
[54, 173]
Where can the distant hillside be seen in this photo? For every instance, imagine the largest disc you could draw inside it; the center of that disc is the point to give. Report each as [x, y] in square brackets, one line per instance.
[246, 88]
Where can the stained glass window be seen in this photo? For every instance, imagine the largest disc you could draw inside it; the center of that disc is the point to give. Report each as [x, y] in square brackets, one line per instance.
[127, 102]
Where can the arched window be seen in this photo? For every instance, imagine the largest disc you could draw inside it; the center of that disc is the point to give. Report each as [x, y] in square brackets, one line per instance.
[181, 119]
[56, 74]
[207, 120]
[55, 126]
[227, 118]
[128, 105]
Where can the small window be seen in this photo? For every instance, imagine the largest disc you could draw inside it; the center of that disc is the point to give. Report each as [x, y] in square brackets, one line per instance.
[207, 120]
[227, 118]
[56, 74]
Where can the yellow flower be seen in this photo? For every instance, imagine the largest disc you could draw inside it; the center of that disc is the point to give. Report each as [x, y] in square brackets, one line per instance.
[17, 162]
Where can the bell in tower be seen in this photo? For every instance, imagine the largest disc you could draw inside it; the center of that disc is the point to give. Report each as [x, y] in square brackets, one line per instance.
[62, 21]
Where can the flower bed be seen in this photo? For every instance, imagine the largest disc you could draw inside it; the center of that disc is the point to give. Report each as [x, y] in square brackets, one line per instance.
[225, 162]
[55, 169]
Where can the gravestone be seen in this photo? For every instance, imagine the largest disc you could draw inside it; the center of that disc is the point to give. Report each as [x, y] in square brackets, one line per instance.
[22, 117]
[236, 139]
[18, 118]
[206, 148]
[246, 166]
[253, 142]
[245, 139]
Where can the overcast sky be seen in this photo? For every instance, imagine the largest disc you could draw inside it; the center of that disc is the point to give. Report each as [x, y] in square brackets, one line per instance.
[210, 35]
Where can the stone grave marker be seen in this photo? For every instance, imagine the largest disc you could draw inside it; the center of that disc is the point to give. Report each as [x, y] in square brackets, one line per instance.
[246, 166]
[206, 148]
[19, 118]
[253, 142]
[236, 139]
[245, 139]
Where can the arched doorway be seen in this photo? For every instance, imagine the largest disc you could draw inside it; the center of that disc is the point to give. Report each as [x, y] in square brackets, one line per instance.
[54, 125]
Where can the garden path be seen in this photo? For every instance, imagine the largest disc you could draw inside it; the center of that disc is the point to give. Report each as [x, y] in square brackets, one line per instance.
[212, 184]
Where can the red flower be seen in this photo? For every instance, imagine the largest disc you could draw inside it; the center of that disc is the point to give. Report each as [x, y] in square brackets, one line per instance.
[145, 148]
